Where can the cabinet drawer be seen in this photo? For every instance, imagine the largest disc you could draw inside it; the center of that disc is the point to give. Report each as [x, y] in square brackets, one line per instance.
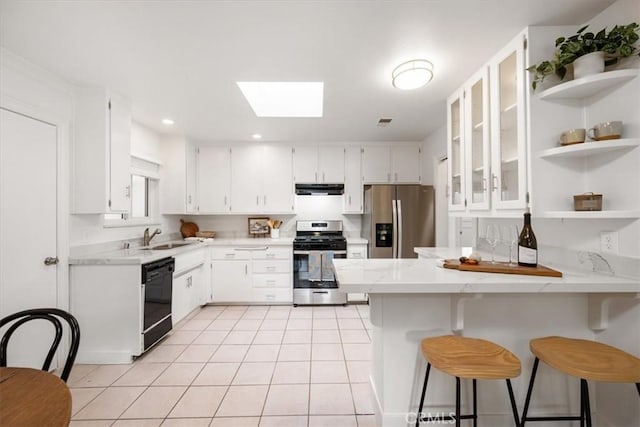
[272, 295]
[275, 266]
[357, 253]
[274, 253]
[272, 281]
[230, 253]
[188, 260]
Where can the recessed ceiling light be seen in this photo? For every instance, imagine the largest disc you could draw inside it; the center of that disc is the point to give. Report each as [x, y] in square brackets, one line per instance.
[256, 136]
[284, 99]
[167, 122]
[412, 74]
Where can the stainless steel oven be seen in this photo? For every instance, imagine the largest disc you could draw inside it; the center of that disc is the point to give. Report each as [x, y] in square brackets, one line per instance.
[157, 286]
[316, 244]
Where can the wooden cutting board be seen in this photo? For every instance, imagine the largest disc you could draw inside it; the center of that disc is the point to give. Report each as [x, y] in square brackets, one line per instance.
[502, 267]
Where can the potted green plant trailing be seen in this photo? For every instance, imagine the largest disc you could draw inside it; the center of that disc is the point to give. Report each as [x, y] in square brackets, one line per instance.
[614, 45]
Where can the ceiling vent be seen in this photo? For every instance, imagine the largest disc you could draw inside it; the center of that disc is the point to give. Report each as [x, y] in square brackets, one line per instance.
[384, 121]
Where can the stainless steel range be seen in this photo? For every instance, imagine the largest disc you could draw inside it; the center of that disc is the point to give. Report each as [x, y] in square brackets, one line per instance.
[315, 246]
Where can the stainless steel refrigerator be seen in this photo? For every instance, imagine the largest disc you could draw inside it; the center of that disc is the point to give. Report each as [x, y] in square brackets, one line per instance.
[398, 218]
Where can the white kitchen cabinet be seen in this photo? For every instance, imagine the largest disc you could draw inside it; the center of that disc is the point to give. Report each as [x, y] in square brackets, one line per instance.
[353, 186]
[405, 164]
[319, 164]
[178, 176]
[213, 166]
[477, 158]
[469, 145]
[272, 269]
[231, 275]
[107, 300]
[396, 164]
[357, 251]
[101, 152]
[190, 283]
[455, 151]
[259, 274]
[487, 140]
[277, 181]
[508, 127]
[261, 179]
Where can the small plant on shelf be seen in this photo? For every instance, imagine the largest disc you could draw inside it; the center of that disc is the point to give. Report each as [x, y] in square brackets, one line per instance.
[616, 44]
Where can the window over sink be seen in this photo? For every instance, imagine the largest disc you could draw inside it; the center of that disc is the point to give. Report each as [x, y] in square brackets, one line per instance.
[144, 196]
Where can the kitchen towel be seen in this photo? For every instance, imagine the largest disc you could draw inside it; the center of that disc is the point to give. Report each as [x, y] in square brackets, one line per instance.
[315, 266]
[327, 266]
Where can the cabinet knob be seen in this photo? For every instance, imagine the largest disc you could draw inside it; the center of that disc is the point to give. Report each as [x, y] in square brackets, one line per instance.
[51, 260]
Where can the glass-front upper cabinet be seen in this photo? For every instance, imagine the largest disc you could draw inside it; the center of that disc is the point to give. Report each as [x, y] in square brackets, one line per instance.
[477, 140]
[508, 133]
[455, 151]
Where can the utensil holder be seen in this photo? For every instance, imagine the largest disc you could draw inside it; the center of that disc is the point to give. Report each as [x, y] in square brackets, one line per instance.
[275, 233]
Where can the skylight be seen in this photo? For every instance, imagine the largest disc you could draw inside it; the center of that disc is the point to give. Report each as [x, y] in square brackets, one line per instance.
[284, 99]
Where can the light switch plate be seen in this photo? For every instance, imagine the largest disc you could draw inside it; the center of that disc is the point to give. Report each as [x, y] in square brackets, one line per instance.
[609, 241]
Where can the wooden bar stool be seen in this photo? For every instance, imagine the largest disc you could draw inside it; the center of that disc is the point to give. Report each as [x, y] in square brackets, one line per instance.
[469, 358]
[584, 359]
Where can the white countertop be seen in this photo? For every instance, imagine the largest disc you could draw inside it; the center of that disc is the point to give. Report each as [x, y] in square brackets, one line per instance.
[142, 256]
[385, 276]
[356, 241]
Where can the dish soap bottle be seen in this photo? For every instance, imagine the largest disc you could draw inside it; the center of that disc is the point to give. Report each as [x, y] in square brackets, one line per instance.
[527, 244]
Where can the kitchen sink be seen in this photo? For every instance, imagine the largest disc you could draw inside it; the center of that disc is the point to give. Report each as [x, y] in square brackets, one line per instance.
[166, 246]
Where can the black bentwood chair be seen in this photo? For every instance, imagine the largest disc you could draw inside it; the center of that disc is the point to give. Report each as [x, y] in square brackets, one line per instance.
[52, 315]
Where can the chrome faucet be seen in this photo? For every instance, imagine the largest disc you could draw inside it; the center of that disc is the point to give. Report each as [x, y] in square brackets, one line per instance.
[146, 239]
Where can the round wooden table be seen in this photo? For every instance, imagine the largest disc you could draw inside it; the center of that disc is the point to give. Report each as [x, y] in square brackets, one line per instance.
[30, 397]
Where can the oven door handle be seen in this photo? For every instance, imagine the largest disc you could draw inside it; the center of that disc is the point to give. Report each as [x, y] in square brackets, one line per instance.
[320, 292]
[307, 252]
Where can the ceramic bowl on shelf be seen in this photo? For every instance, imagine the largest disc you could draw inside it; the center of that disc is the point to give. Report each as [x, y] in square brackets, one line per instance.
[606, 130]
[572, 136]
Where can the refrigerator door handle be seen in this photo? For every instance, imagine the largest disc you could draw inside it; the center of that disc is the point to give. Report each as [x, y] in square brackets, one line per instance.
[399, 227]
[394, 219]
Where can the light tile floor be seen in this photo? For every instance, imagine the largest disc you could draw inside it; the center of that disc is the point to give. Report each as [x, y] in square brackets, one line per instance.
[239, 366]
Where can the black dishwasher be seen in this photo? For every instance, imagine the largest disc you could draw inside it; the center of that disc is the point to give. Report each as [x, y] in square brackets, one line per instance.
[157, 284]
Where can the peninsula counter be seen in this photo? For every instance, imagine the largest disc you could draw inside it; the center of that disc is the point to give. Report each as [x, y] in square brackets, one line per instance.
[411, 299]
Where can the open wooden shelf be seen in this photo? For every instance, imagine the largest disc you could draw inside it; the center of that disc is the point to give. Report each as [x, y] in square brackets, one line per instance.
[590, 85]
[591, 148]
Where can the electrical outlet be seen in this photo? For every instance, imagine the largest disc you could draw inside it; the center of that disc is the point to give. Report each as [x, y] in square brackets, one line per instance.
[609, 241]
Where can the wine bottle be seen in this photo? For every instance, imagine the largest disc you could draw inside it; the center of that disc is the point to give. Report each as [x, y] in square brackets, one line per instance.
[527, 244]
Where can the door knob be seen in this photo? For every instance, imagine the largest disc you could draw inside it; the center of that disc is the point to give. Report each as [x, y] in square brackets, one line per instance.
[51, 260]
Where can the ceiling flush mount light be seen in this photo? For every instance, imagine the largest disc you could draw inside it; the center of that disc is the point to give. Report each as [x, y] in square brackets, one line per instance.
[256, 136]
[284, 99]
[412, 74]
[167, 122]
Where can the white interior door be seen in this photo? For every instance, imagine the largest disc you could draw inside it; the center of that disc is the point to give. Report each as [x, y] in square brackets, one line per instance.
[28, 220]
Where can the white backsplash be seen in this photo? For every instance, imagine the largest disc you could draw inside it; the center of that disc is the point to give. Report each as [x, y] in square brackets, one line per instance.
[306, 207]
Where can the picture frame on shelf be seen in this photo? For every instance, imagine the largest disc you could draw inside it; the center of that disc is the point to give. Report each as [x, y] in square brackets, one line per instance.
[258, 227]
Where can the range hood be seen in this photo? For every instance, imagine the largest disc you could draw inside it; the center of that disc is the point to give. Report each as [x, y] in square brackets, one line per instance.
[319, 189]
